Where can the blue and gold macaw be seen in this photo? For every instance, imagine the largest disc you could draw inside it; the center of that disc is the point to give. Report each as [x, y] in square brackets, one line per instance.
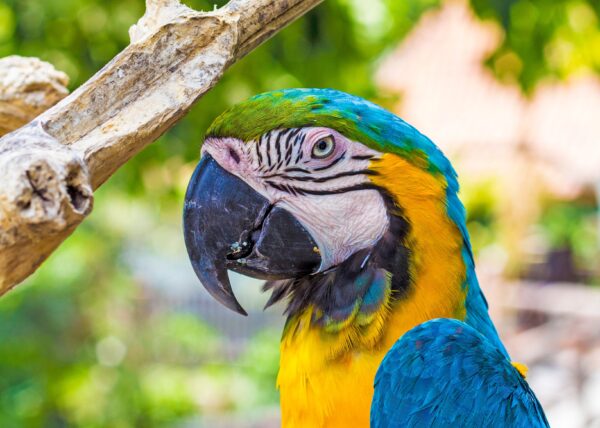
[353, 217]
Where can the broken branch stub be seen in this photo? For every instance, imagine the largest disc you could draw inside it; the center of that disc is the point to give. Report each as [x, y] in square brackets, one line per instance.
[28, 87]
[49, 168]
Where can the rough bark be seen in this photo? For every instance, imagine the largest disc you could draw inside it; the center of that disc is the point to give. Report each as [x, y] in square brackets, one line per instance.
[28, 87]
[50, 167]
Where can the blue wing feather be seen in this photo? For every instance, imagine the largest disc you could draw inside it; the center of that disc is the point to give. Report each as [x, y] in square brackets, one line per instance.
[444, 373]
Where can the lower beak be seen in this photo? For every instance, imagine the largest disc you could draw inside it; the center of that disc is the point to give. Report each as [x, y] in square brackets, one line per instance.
[228, 225]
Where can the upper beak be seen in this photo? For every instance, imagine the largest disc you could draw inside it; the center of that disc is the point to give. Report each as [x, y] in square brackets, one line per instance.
[228, 225]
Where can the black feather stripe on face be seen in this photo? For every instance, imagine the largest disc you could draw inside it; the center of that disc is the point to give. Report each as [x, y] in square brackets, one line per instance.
[283, 166]
[335, 292]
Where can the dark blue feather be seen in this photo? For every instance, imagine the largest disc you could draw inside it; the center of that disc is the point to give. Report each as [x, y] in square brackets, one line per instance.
[443, 373]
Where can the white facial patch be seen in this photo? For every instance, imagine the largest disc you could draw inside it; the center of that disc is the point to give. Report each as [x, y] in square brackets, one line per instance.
[341, 224]
[326, 187]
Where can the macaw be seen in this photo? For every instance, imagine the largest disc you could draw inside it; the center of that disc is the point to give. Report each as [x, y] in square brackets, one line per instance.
[352, 217]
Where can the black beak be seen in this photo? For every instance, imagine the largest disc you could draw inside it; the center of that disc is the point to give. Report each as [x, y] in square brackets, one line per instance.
[228, 225]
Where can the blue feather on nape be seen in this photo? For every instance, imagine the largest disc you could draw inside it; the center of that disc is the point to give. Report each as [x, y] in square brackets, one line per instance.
[443, 373]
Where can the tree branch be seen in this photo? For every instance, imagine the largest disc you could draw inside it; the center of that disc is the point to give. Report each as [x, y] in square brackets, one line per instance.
[28, 87]
[50, 167]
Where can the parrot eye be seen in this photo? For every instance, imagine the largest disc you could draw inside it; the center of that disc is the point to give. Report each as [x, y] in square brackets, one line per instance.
[323, 148]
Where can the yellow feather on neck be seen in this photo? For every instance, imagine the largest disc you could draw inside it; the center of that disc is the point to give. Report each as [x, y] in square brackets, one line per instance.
[326, 379]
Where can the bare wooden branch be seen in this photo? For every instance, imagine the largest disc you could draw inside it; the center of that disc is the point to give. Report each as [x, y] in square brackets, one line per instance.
[28, 87]
[50, 167]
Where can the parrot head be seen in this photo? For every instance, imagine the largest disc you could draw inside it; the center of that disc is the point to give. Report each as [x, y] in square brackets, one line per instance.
[316, 191]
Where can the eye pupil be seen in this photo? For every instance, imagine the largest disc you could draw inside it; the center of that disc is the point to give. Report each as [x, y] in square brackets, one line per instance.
[323, 148]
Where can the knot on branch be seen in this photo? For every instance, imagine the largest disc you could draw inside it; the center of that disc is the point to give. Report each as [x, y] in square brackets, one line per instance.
[45, 186]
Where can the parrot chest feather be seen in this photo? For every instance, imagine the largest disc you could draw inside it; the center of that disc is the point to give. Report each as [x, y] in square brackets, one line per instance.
[326, 378]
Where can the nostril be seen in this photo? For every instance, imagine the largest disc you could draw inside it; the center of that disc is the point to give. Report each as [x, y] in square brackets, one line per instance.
[242, 248]
[234, 155]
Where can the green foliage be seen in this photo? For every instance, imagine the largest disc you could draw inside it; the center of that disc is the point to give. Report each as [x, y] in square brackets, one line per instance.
[573, 225]
[544, 38]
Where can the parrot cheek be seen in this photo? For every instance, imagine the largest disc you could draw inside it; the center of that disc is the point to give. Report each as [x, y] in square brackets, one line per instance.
[228, 225]
[342, 224]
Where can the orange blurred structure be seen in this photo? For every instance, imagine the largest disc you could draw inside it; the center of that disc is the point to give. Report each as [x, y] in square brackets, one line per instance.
[448, 93]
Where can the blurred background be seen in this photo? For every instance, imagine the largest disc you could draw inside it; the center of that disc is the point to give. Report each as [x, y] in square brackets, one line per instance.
[114, 330]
